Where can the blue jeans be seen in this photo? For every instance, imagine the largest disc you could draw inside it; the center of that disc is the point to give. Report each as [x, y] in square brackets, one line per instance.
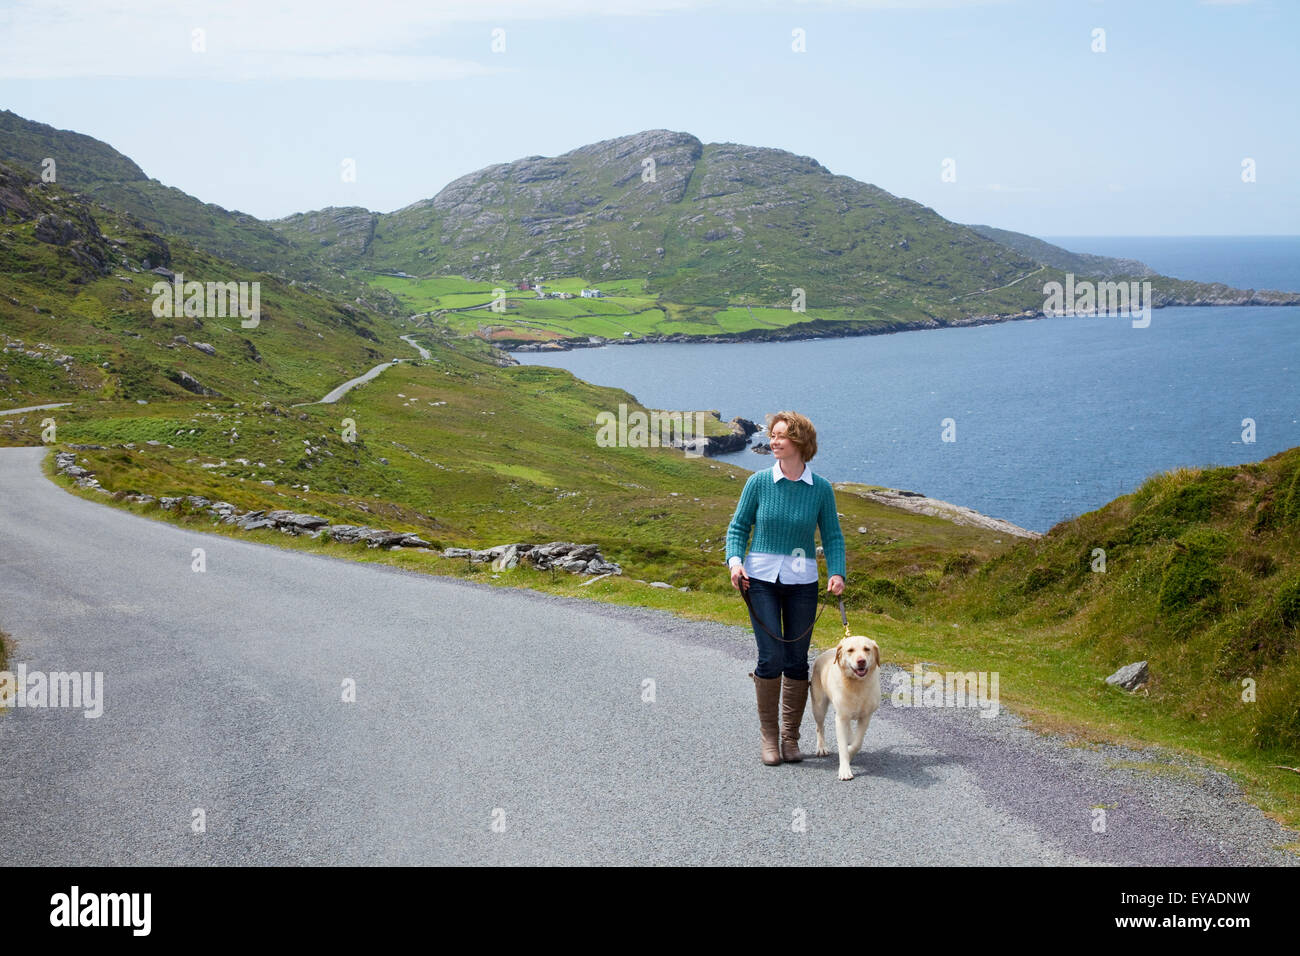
[773, 603]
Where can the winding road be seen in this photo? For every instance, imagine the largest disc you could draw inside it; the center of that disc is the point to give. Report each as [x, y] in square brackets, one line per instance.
[489, 725]
[335, 394]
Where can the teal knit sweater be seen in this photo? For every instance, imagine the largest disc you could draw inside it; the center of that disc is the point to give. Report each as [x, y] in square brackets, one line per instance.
[782, 515]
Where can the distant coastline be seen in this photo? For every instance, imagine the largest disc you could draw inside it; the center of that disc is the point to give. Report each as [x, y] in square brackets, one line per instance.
[835, 329]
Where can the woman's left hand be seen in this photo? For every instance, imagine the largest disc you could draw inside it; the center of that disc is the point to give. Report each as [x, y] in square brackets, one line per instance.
[835, 585]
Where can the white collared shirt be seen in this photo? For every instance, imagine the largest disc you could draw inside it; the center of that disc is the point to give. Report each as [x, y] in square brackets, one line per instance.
[788, 568]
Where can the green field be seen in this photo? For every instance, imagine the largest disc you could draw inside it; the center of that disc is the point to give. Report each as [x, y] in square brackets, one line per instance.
[528, 317]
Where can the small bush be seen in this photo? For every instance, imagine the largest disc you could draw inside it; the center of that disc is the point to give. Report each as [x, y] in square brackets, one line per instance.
[887, 590]
[1170, 513]
[1279, 507]
[960, 564]
[1194, 571]
[1287, 602]
[1039, 578]
[1249, 640]
[1277, 714]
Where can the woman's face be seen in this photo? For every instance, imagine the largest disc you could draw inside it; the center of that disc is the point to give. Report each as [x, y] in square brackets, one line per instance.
[782, 447]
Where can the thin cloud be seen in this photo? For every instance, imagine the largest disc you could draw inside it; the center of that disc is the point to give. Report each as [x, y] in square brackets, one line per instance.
[271, 39]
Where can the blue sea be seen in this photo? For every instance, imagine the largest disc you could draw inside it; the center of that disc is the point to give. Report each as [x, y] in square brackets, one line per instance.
[1052, 417]
[1243, 262]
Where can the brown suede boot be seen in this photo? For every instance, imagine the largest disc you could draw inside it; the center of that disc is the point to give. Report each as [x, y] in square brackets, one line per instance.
[794, 697]
[768, 691]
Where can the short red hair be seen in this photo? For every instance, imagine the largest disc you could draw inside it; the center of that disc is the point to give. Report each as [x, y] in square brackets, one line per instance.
[799, 430]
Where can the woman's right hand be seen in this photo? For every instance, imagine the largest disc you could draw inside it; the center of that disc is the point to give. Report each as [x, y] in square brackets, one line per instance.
[737, 575]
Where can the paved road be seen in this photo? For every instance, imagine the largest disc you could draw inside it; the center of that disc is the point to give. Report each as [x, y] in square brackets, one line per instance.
[424, 353]
[352, 383]
[337, 393]
[32, 408]
[222, 691]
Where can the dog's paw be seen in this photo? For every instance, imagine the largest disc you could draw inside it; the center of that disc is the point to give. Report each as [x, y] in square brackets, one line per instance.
[846, 773]
[822, 751]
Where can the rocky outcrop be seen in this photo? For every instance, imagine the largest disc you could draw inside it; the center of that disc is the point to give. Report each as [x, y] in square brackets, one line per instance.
[560, 555]
[65, 462]
[290, 522]
[374, 537]
[1216, 293]
[191, 384]
[312, 526]
[741, 429]
[1130, 676]
[919, 504]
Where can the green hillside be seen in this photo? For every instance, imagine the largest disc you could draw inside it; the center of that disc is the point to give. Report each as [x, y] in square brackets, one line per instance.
[1080, 263]
[76, 290]
[86, 165]
[1201, 579]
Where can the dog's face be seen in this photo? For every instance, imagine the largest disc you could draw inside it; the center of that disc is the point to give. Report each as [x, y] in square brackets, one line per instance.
[857, 655]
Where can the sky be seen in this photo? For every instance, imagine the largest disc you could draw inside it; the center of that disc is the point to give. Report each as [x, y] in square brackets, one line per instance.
[1041, 123]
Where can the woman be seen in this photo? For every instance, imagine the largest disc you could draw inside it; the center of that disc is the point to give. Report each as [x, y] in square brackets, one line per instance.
[782, 505]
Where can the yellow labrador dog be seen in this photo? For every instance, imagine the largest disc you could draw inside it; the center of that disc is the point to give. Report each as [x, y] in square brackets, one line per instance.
[847, 677]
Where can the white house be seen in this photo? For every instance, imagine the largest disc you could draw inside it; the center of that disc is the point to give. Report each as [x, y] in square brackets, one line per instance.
[592, 294]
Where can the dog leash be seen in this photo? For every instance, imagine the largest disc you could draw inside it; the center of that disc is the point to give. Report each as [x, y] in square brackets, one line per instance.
[744, 592]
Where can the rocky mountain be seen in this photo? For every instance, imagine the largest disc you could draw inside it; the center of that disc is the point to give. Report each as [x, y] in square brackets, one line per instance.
[716, 223]
[337, 234]
[699, 220]
[709, 225]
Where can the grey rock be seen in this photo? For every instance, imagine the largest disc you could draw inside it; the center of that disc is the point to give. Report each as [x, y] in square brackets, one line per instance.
[1131, 676]
[508, 558]
[191, 384]
[382, 539]
[244, 520]
[295, 521]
